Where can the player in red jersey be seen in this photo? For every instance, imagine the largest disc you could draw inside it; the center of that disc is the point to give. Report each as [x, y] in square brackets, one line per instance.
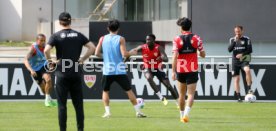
[153, 55]
[185, 65]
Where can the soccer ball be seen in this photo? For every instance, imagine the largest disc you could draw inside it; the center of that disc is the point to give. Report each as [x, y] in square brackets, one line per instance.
[250, 98]
[140, 102]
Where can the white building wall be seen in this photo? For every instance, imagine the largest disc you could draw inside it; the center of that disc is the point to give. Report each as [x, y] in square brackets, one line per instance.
[10, 20]
[35, 12]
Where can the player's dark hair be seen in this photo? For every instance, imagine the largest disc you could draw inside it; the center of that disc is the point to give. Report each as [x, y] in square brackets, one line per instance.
[239, 26]
[65, 23]
[185, 23]
[38, 36]
[152, 36]
[113, 25]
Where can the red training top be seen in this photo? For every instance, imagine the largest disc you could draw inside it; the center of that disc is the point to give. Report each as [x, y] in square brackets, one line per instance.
[187, 45]
[150, 56]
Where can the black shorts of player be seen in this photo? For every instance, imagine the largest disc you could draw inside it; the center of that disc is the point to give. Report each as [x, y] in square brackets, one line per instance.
[122, 80]
[237, 66]
[188, 78]
[39, 75]
[161, 75]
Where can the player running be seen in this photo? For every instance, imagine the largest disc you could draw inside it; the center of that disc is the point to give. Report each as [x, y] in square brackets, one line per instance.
[34, 62]
[242, 49]
[153, 55]
[112, 49]
[185, 65]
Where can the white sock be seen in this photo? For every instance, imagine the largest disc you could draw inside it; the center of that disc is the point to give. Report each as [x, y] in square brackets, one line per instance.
[137, 108]
[181, 114]
[48, 97]
[107, 109]
[187, 111]
[159, 95]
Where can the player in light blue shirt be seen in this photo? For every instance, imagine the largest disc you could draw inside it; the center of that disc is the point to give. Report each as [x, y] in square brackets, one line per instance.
[35, 62]
[112, 49]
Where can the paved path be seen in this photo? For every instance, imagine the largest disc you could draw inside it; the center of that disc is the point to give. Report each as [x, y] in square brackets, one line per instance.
[22, 51]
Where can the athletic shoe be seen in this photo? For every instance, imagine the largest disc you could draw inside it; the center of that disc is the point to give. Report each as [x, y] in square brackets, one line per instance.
[251, 92]
[239, 99]
[106, 115]
[50, 103]
[164, 100]
[53, 103]
[140, 115]
[47, 103]
[185, 119]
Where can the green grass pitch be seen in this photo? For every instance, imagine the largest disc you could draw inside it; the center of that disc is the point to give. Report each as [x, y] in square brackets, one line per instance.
[221, 116]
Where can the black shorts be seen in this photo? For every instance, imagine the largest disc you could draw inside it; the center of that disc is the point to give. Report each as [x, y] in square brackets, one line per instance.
[188, 78]
[122, 80]
[39, 75]
[237, 66]
[161, 75]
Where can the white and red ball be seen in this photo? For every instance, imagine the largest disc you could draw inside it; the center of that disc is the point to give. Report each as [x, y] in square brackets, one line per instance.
[140, 102]
[250, 98]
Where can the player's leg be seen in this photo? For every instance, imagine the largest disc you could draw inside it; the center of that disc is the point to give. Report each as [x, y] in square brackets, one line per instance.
[149, 76]
[237, 87]
[48, 83]
[191, 88]
[62, 93]
[42, 84]
[236, 76]
[124, 82]
[246, 69]
[77, 99]
[48, 86]
[39, 80]
[192, 79]
[164, 79]
[106, 82]
[181, 93]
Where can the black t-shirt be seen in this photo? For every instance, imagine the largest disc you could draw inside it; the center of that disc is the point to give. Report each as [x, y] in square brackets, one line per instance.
[241, 46]
[68, 44]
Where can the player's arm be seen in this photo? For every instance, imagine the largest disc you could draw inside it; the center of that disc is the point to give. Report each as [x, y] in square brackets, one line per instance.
[201, 51]
[174, 60]
[202, 54]
[231, 45]
[248, 48]
[174, 57]
[48, 47]
[26, 61]
[164, 56]
[136, 50]
[200, 48]
[98, 51]
[91, 49]
[124, 52]
[47, 52]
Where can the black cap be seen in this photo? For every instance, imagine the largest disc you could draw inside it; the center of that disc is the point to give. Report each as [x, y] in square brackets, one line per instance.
[65, 16]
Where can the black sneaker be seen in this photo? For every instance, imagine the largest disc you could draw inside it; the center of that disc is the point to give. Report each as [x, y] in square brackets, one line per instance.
[240, 100]
[250, 92]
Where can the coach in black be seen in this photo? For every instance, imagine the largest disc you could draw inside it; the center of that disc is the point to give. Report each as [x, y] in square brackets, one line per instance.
[242, 49]
[68, 44]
